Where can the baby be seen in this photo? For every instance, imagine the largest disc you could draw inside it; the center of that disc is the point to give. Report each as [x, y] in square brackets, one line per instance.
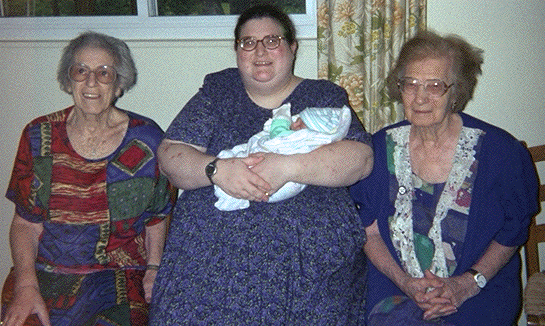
[284, 134]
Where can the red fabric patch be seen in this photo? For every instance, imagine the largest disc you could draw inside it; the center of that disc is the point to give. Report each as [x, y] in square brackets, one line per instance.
[132, 156]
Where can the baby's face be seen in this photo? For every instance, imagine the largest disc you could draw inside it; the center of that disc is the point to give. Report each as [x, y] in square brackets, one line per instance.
[298, 125]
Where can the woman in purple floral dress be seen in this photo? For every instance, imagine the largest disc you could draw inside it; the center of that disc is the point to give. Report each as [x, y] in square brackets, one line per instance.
[294, 262]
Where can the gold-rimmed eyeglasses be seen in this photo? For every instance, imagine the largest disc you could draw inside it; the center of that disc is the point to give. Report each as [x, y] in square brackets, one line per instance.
[80, 72]
[270, 42]
[434, 88]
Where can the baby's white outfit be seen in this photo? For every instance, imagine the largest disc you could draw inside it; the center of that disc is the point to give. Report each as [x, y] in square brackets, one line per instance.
[323, 126]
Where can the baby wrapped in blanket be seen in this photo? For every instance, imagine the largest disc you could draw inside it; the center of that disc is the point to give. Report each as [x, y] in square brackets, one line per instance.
[319, 126]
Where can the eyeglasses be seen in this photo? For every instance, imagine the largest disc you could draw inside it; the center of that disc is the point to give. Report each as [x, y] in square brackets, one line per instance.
[270, 42]
[434, 88]
[79, 72]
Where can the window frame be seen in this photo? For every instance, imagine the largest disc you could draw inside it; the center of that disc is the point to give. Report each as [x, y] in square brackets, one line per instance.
[140, 27]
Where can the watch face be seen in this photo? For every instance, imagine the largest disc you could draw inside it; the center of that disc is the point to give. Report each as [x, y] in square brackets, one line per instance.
[210, 169]
[481, 280]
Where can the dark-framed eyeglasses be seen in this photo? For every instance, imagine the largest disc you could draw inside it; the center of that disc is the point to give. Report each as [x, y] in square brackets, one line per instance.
[80, 72]
[270, 42]
[434, 88]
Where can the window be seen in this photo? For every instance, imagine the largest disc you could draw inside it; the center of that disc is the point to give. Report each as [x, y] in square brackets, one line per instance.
[137, 19]
[59, 8]
[220, 7]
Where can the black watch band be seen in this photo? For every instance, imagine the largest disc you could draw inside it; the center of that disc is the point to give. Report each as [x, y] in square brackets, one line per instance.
[210, 170]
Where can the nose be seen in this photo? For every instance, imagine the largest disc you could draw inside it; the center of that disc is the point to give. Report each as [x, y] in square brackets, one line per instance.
[421, 94]
[260, 47]
[91, 79]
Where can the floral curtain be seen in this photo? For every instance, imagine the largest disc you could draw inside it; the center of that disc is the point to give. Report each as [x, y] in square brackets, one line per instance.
[358, 43]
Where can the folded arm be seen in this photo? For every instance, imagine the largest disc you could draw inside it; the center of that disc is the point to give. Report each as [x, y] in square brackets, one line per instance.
[184, 165]
[337, 164]
[460, 288]
[414, 288]
[341, 163]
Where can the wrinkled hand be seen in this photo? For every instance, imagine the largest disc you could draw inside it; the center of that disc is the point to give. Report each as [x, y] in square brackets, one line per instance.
[273, 168]
[456, 290]
[236, 179]
[27, 301]
[425, 292]
[149, 279]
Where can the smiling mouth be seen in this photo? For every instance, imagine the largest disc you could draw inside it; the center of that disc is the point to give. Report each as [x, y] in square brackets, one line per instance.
[91, 96]
[262, 63]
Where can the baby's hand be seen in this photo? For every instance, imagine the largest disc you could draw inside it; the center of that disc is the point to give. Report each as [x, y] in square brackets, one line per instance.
[298, 125]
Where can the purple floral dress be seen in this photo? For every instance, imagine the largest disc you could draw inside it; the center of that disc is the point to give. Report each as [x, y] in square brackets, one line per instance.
[295, 262]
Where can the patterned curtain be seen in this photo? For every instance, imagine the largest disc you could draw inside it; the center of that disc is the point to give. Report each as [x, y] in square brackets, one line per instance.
[358, 43]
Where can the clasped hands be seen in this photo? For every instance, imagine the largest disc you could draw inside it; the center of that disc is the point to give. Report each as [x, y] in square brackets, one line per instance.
[437, 296]
[253, 178]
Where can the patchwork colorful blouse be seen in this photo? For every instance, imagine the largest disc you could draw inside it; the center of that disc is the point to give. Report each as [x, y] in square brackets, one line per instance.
[94, 212]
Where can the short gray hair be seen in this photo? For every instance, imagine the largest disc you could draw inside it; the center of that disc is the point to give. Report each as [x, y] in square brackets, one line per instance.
[123, 61]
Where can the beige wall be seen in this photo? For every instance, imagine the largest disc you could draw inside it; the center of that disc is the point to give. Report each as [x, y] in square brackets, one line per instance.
[510, 93]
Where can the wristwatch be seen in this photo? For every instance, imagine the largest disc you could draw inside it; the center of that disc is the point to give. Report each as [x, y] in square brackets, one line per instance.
[478, 277]
[210, 170]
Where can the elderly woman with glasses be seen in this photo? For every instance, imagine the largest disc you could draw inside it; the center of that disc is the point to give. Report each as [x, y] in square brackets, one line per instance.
[91, 205]
[449, 200]
[298, 261]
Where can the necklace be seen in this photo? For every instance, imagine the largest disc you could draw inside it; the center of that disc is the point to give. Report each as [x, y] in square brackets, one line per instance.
[96, 141]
